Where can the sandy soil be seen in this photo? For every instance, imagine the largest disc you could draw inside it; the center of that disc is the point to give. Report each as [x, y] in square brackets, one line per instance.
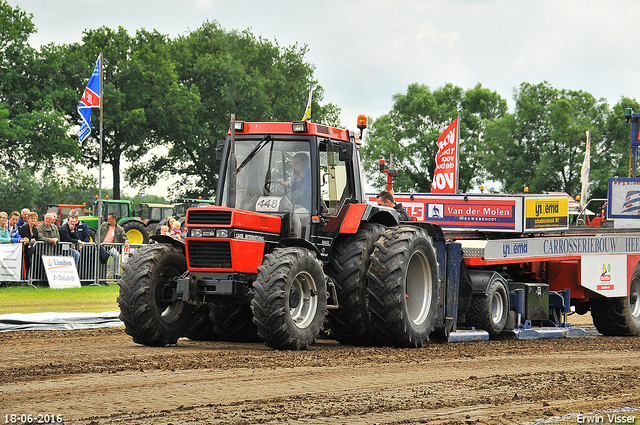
[102, 377]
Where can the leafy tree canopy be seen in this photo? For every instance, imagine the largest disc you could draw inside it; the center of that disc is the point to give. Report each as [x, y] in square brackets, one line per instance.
[33, 129]
[219, 73]
[542, 144]
[410, 132]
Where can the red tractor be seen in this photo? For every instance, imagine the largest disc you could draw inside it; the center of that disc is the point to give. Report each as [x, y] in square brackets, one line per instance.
[62, 211]
[290, 238]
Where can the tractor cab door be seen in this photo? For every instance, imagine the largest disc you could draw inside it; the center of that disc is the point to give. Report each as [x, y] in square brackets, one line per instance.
[336, 177]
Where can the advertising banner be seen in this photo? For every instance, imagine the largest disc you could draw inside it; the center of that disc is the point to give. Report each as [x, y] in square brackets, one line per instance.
[445, 176]
[624, 198]
[605, 274]
[464, 212]
[546, 213]
[61, 272]
[10, 262]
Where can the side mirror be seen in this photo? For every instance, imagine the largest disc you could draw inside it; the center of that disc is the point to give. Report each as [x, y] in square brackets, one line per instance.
[220, 149]
[346, 152]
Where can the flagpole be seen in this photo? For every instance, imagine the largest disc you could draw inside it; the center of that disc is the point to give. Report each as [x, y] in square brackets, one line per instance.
[97, 259]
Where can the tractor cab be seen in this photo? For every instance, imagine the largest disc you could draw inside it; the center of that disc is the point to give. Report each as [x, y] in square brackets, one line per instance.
[303, 172]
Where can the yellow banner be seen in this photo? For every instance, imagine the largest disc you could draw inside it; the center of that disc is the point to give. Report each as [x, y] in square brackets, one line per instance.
[546, 212]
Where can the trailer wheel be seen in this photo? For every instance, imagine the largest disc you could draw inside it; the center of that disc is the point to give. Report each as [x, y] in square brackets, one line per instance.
[619, 316]
[234, 322]
[201, 327]
[290, 300]
[146, 290]
[348, 266]
[490, 312]
[403, 287]
[136, 232]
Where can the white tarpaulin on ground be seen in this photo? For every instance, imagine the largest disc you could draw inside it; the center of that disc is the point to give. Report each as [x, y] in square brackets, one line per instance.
[10, 262]
[58, 321]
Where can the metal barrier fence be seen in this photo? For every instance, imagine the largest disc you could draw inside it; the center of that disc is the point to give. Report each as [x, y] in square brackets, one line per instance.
[109, 271]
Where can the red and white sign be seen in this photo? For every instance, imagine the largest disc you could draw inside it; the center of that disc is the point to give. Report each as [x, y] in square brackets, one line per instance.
[445, 176]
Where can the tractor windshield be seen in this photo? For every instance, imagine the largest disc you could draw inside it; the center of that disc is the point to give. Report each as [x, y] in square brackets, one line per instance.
[271, 176]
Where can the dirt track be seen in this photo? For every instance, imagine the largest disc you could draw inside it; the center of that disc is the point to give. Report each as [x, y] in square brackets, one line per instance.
[102, 377]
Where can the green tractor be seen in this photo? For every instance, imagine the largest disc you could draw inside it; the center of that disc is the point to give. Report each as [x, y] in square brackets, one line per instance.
[133, 226]
[180, 206]
[154, 216]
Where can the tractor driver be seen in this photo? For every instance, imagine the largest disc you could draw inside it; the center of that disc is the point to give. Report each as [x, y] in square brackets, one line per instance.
[300, 183]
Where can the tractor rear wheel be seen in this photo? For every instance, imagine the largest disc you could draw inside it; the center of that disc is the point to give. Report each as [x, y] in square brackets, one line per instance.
[619, 316]
[403, 287]
[348, 266]
[136, 232]
[234, 322]
[201, 328]
[148, 309]
[290, 301]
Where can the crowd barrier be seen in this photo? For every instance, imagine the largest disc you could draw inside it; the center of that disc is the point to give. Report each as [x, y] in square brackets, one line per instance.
[109, 271]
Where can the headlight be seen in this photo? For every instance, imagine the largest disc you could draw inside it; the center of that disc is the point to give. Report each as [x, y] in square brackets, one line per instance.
[222, 233]
[196, 233]
[299, 127]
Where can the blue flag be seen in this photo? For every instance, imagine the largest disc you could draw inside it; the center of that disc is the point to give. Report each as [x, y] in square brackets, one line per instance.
[90, 99]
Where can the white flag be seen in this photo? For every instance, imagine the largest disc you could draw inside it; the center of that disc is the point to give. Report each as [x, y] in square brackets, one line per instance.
[584, 173]
[307, 111]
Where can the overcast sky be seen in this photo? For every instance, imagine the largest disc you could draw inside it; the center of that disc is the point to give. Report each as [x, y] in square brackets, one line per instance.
[367, 51]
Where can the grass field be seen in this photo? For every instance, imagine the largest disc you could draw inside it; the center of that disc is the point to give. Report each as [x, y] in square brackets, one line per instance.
[88, 299]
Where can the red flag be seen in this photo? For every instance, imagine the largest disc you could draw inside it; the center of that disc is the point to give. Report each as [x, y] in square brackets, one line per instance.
[445, 177]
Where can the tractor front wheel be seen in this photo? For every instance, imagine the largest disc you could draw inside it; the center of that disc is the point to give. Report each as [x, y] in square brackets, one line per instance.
[148, 308]
[290, 302]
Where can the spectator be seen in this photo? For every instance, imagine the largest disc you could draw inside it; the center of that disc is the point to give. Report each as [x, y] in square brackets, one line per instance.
[14, 230]
[170, 222]
[164, 230]
[55, 218]
[5, 236]
[47, 231]
[175, 232]
[24, 216]
[29, 231]
[84, 234]
[112, 232]
[74, 232]
[385, 199]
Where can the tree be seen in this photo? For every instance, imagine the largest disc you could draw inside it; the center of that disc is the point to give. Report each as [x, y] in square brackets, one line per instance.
[219, 73]
[25, 189]
[410, 132]
[542, 144]
[141, 94]
[33, 129]
[614, 152]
